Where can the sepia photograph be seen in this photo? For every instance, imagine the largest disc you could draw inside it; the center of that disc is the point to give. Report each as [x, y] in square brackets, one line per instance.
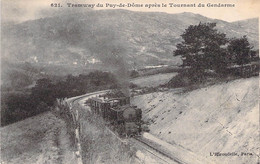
[130, 82]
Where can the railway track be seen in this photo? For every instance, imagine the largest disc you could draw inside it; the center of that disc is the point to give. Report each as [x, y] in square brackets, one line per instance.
[151, 149]
[158, 154]
[72, 100]
[166, 158]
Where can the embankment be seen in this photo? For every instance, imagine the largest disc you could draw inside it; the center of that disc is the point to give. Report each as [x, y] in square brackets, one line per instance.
[221, 118]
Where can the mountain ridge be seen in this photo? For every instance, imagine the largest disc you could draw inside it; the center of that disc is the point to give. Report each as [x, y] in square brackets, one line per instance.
[143, 38]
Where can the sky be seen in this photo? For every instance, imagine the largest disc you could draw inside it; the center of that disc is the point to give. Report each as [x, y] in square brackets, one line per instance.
[23, 10]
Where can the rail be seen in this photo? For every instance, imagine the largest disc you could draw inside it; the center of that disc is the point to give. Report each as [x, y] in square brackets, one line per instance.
[149, 148]
[160, 152]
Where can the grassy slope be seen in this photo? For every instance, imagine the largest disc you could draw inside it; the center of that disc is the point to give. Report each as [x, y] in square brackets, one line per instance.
[38, 139]
[220, 118]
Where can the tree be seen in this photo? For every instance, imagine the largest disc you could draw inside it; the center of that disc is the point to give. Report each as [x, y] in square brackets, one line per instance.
[43, 91]
[240, 51]
[203, 49]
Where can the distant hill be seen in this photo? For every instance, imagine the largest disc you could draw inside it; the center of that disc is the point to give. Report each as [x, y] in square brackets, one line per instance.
[93, 37]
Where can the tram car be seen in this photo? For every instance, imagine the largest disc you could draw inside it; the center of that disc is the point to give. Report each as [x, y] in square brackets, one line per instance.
[119, 113]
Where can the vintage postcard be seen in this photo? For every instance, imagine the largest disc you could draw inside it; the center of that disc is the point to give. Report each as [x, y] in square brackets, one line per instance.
[130, 81]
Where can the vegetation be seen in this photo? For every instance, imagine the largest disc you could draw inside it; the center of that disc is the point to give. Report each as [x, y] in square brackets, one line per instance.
[41, 97]
[99, 145]
[62, 110]
[202, 49]
[240, 51]
[208, 54]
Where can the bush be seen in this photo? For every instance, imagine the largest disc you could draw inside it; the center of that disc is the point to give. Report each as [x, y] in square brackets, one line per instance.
[99, 145]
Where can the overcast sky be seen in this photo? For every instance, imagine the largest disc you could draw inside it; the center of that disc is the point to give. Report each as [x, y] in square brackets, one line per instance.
[22, 10]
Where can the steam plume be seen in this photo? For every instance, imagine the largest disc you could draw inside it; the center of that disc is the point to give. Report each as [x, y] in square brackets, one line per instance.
[112, 51]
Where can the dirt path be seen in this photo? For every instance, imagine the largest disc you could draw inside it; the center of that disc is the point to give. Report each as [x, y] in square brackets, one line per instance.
[40, 139]
[153, 80]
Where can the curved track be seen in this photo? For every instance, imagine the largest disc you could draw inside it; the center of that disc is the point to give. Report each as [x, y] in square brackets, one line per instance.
[137, 141]
[77, 98]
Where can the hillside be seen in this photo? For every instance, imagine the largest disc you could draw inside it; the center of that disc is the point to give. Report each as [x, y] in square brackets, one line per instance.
[220, 118]
[92, 37]
[39, 139]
